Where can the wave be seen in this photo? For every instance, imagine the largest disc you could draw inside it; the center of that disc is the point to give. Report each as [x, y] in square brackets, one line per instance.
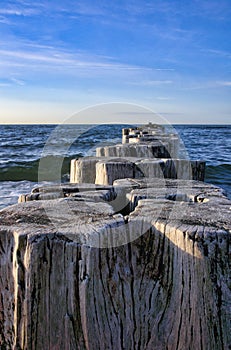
[219, 175]
[221, 172]
[19, 171]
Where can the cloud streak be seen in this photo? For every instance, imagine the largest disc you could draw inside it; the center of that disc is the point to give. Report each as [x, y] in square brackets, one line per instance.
[19, 11]
[12, 81]
[224, 83]
[216, 52]
[18, 81]
[43, 57]
[60, 58]
[164, 98]
[152, 82]
[206, 85]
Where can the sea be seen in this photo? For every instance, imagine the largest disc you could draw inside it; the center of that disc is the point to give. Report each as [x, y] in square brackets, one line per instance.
[22, 147]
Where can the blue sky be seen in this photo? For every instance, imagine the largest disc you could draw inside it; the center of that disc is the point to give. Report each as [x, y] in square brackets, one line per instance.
[57, 57]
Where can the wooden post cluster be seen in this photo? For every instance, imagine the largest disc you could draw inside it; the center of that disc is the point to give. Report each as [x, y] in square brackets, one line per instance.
[139, 263]
[147, 152]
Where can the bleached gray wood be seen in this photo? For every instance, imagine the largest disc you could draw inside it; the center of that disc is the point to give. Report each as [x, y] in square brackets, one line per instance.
[143, 264]
[167, 288]
[83, 170]
[104, 170]
[155, 149]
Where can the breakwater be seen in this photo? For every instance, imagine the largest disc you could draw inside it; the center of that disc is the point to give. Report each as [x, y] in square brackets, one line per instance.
[132, 254]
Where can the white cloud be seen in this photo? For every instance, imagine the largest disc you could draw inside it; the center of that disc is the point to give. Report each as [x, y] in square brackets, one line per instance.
[216, 52]
[152, 82]
[83, 9]
[164, 98]
[49, 60]
[12, 81]
[223, 83]
[18, 11]
[61, 58]
[4, 20]
[18, 81]
[165, 69]
[205, 85]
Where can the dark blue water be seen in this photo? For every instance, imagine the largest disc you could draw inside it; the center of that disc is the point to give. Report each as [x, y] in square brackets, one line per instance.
[211, 143]
[22, 146]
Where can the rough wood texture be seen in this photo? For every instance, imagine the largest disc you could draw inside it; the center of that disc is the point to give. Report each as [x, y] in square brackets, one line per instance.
[167, 287]
[149, 134]
[83, 170]
[105, 170]
[148, 151]
[110, 170]
[80, 190]
[139, 264]
[155, 149]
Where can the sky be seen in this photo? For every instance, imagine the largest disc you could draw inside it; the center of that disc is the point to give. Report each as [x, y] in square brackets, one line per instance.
[170, 56]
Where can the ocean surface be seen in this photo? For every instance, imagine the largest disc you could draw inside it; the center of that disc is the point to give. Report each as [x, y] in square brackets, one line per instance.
[22, 147]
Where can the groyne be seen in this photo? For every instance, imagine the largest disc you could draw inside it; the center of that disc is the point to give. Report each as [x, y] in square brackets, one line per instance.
[134, 253]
